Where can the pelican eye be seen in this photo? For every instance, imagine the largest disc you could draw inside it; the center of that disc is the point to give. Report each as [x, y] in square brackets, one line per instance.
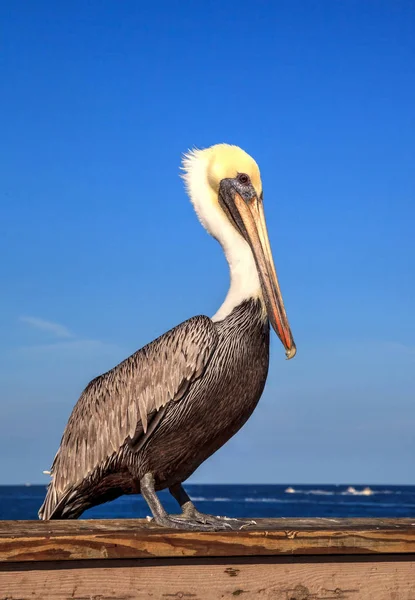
[243, 178]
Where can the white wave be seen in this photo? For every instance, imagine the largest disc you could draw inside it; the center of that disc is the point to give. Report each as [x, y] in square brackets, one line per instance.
[354, 492]
[291, 490]
[270, 500]
[350, 491]
[217, 499]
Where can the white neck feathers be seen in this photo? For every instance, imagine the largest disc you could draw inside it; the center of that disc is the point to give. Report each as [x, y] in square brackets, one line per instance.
[244, 280]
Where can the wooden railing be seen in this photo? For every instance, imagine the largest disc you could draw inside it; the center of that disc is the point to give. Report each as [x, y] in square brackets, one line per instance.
[282, 559]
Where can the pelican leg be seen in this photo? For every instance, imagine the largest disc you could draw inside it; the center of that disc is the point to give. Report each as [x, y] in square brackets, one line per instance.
[190, 511]
[161, 517]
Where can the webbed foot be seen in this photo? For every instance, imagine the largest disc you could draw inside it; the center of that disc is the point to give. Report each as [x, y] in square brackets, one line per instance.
[191, 512]
[188, 522]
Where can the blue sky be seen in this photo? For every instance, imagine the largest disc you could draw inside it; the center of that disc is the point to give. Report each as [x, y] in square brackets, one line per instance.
[101, 251]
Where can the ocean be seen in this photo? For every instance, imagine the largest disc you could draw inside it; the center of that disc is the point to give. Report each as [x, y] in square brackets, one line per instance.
[23, 501]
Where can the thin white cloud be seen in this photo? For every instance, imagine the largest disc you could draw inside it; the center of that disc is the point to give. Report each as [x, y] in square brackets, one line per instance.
[56, 329]
[67, 344]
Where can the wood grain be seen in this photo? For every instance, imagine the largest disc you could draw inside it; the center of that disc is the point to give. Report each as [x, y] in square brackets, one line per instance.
[248, 579]
[109, 539]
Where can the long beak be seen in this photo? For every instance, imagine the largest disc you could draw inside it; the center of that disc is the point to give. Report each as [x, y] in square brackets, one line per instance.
[252, 216]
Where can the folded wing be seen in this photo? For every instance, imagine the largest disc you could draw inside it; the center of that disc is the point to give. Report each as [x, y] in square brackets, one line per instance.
[121, 404]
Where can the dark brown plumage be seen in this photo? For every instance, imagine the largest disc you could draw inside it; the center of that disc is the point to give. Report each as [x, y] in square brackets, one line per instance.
[155, 413]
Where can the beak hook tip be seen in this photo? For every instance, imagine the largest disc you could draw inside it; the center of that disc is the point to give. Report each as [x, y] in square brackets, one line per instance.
[291, 352]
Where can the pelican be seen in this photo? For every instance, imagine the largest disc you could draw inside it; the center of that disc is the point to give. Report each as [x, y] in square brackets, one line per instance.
[147, 424]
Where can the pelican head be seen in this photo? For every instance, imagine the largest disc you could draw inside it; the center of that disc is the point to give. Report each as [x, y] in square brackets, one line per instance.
[224, 185]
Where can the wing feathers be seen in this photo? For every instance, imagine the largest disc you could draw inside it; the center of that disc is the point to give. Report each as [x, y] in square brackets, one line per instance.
[113, 406]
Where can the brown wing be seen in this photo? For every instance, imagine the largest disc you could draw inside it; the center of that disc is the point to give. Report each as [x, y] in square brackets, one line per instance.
[118, 403]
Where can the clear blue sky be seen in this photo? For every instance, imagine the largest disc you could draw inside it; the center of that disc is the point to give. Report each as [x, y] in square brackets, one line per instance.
[101, 252]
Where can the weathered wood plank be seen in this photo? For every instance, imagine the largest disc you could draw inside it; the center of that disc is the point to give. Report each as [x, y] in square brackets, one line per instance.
[75, 540]
[364, 578]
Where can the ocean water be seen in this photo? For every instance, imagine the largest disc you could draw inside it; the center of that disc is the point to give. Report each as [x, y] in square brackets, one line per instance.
[22, 502]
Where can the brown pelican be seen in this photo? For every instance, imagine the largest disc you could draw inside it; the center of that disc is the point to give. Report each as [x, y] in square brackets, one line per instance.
[147, 424]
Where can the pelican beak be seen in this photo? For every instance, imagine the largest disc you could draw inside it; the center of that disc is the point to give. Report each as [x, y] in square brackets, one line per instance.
[248, 216]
